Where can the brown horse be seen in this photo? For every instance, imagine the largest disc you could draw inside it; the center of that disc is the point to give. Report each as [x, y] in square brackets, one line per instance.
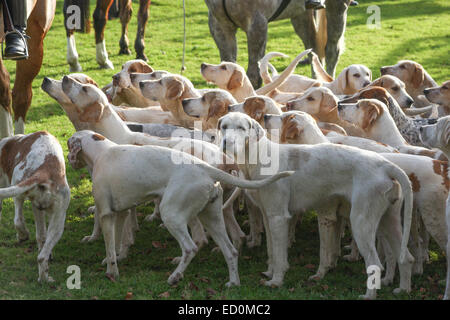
[100, 17]
[40, 18]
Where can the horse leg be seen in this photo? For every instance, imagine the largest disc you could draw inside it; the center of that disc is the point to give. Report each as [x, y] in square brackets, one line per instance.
[39, 23]
[6, 128]
[100, 17]
[72, 53]
[139, 44]
[125, 16]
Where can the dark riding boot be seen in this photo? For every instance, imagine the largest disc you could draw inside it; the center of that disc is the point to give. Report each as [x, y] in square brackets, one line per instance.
[314, 4]
[15, 42]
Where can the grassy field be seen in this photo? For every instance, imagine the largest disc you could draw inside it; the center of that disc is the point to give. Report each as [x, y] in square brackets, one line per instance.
[411, 29]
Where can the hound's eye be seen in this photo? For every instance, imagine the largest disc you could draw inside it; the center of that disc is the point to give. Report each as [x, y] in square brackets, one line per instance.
[160, 81]
[310, 98]
[402, 67]
[223, 67]
[367, 74]
[395, 88]
[240, 128]
[203, 98]
[357, 75]
[357, 106]
[224, 127]
[84, 89]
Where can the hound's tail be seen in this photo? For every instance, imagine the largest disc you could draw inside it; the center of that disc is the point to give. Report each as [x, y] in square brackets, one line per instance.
[405, 184]
[19, 189]
[321, 74]
[224, 177]
[264, 66]
[283, 76]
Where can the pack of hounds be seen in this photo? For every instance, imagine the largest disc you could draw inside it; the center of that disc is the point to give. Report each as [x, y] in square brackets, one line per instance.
[367, 155]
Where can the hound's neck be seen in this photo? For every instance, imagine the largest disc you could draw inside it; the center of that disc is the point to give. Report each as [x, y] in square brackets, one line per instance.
[241, 93]
[93, 149]
[313, 137]
[399, 117]
[112, 127]
[384, 130]
[176, 108]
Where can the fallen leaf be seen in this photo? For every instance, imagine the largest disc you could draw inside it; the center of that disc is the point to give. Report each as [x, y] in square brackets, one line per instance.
[158, 244]
[310, 266]
[325, 287]
[291, 289]
[94, 298]
[205, 280]
[247, 257]
[129, 296]
[111, 277]
[210, 292]
[192, 286]
[164, 294]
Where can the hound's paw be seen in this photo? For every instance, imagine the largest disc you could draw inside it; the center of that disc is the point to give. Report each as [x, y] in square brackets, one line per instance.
[88, 239]
[175, 278]
[23, 237]
[151, 217]
[46, 279]
[232, 284]
[272, 283]
[318, 276]
[399, 290]
[386, 282]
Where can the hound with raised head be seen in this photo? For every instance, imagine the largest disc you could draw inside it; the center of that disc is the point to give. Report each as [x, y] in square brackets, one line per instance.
[322, 104]
[414, 76]
[231, 77]
[32, 167]
[161, 174]
[438, 136]
[370, 185]
[123, 91]
[92, 111]
[374, 118]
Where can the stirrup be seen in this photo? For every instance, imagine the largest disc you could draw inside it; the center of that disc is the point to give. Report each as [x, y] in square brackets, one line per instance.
[24, 38]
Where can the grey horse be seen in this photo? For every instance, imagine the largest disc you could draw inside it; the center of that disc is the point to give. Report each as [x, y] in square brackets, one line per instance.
[325, 36]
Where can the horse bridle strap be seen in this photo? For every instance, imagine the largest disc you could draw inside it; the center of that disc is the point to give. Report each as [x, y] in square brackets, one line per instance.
[277, 13]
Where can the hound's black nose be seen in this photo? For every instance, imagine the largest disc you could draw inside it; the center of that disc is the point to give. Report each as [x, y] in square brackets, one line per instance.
[409, 102]
[340, 106]
[426, 91]
[141, 85]
[266, 117]
[366, 83]
[203, 66]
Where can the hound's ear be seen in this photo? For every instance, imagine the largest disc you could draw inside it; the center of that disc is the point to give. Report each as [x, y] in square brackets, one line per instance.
[256, 130]
[92, 113]
[372, 113]
[91, 81]
[328, 102]
[254, 108]
[342, 80]
[217, 108]
[74, 145]
[140, 67]
[175, 89]
[289, 130]
[377, 83]
[236, 80]
[144, 68]
[418, 76]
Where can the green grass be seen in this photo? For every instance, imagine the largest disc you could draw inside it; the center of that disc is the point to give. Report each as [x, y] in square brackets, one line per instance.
[411, 29]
